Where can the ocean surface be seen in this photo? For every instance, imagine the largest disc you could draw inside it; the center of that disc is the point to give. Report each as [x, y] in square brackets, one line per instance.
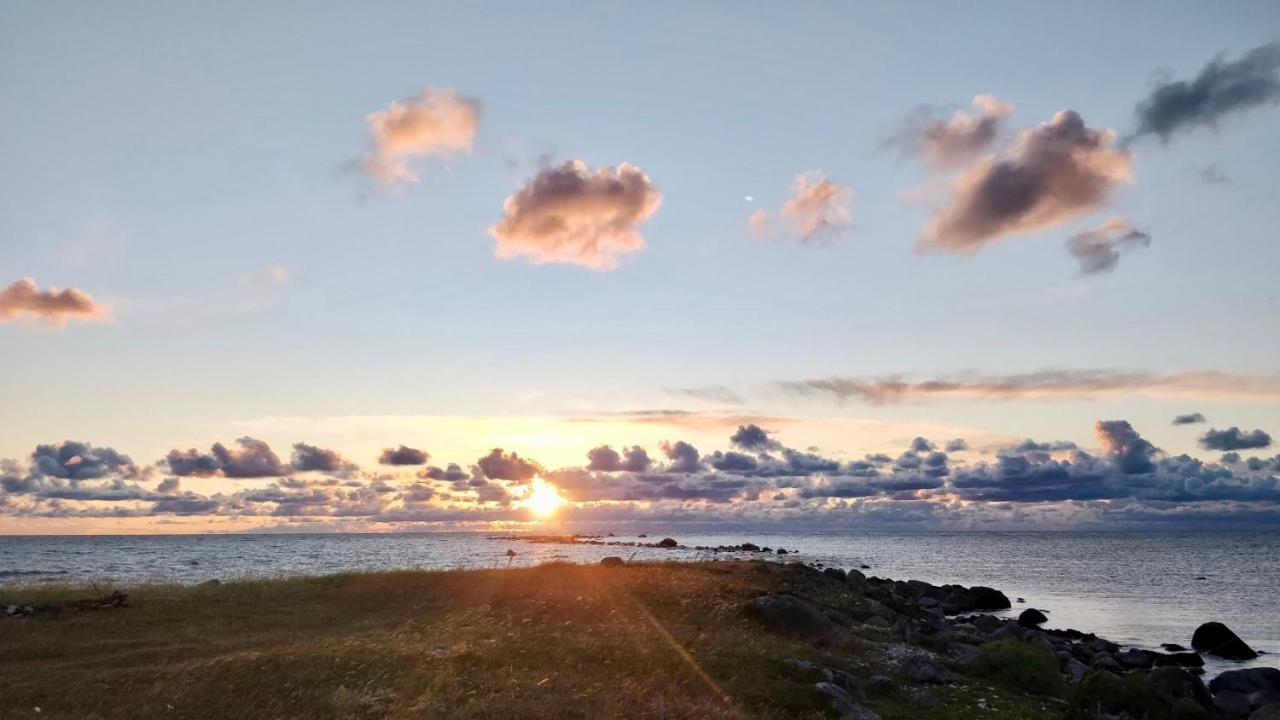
[1137, 589]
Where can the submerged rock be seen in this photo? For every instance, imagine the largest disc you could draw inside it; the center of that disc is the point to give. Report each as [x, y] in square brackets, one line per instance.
[1218, 639]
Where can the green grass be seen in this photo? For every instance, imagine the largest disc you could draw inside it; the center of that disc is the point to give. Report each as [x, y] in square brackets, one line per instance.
[1022, 666]
[559, 641]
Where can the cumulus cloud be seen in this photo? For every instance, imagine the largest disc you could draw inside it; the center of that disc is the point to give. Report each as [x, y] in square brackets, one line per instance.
[403, 455]
[948, 142]
[253, 459]
[309, 458]
[436, 122]
[1233, 438]
[1131, 452]
[569, 214]
[1098, 250]
[683, 457]
[957, 445]
[52, 307]
[755, 438]
[498, 465]
[818, 207]
[1222, 88]
[1188, 419]
[1053, 173]
[1043, 385]
[72, 460]
[606, 459]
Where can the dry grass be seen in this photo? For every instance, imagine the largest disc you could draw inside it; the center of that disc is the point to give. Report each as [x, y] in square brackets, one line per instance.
[559, 641]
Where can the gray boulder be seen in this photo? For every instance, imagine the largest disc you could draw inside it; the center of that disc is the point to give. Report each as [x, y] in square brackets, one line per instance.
[1218, 639]
[925, 670]
[1032, 617]
[1232, 703]
[789, 614]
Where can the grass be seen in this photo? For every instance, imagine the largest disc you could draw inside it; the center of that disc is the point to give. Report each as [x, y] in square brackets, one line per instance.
[557, 641]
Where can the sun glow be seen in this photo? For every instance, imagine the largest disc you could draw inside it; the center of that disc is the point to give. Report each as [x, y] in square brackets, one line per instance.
[543, 499]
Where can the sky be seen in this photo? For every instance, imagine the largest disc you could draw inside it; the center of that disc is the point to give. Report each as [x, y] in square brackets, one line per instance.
[548, 228]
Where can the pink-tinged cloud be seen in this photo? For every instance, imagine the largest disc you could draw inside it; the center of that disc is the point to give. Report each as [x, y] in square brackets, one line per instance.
[963, 136]
[572, 215]
[818, 206]
[52, 307]
[436, 122]
[1053, 173]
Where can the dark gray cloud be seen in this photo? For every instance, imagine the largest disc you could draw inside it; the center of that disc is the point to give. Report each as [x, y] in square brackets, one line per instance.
[1053, 173]
[403, 455]
[453, 473]
[1188, 419]
[1233, 438]
[755, 438]
[498, 465]
[683, 457]
[957, 445]
[309, 458]
[253, 459]
[1098, 250]
[72, 460]
[606, 459]
[1130, 451]
[1222, 88]
[734, 462]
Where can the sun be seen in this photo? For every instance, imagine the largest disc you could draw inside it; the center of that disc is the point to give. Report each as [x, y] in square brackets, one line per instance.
[543, 499]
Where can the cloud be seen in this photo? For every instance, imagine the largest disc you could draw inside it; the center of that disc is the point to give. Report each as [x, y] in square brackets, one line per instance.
[818, 207]
[571, 215]
[1221, 89]
[403, 455]
[452, 473]
[960, 138]
[1188, 419]
[1044, 385]
[253, 459]
[72, 460]
[309, 458]
[1053, 173]
[436, 122]
[753, 437]
[957, 445]
[1211, 175]
[711, 393]
[683, 456]
[606, 459]
[498, 465]
[1131, 452]
[1233, 438]
[52, 307]
[1098, 250]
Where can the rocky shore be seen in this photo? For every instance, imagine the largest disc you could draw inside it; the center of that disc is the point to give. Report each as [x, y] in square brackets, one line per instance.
[948, 628]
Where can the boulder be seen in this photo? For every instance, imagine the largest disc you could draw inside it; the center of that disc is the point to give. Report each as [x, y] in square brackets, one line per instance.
[1173, 647]
[1267, 712]
[1247, 681]
[925, 670]
[881, 684]
[667, 543]
[1232, 703]
[789, 614]
[750, 547]
[1218, 639]
[1032, 617]
[841, 701]
[1074, 671]
[1180, 659]
[835, 574]
[612, 561]
[1170, 685]
[1134, 659]
[985, 598]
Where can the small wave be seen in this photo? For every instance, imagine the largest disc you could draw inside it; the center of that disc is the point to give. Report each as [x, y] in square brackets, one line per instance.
[19, 573]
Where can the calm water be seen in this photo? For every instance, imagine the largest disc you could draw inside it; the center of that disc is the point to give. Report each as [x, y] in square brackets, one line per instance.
[1137, 589]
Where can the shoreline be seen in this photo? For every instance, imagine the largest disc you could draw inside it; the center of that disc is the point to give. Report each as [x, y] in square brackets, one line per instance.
[891, 648]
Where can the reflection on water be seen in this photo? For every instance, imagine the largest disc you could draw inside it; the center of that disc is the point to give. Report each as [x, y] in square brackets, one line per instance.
[1134, 588]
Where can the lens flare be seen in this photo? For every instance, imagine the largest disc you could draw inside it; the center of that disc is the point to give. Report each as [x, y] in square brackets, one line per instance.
[543, 499]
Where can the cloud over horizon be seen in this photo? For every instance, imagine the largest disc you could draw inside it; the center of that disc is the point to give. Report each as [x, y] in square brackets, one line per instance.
[569, 214]
[1049, 175]
[52, 307]
[437, 122]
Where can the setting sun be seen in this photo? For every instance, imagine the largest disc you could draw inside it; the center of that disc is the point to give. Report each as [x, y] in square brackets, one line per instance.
[543, 498]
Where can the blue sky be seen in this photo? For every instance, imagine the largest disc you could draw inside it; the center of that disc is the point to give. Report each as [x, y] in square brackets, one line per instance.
[164, 157]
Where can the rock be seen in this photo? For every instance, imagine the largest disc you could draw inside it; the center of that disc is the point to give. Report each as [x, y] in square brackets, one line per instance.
[876, 621]
[782, 551]
[667, 543]
[1171, 685]
[1218, 639]
[1103, 645]
[789, 614]
[860, 712]
[1230, 702]
[985, 598]
[841, 701]
[1268, 712]
[612, 561]
[864, 567]
[1032, 617]
[1105, 661]
[1181, 659]
[1074, 671]
[835, 574]
[881, 684]
[1173, 647]
[749, 547]
[924, 670]
[1247, 681]
[1134, 659]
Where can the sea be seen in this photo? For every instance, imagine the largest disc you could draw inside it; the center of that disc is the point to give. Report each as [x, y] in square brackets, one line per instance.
[1138, 589]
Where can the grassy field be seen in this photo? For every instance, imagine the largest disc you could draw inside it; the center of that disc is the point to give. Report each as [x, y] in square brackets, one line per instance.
[557, 641]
